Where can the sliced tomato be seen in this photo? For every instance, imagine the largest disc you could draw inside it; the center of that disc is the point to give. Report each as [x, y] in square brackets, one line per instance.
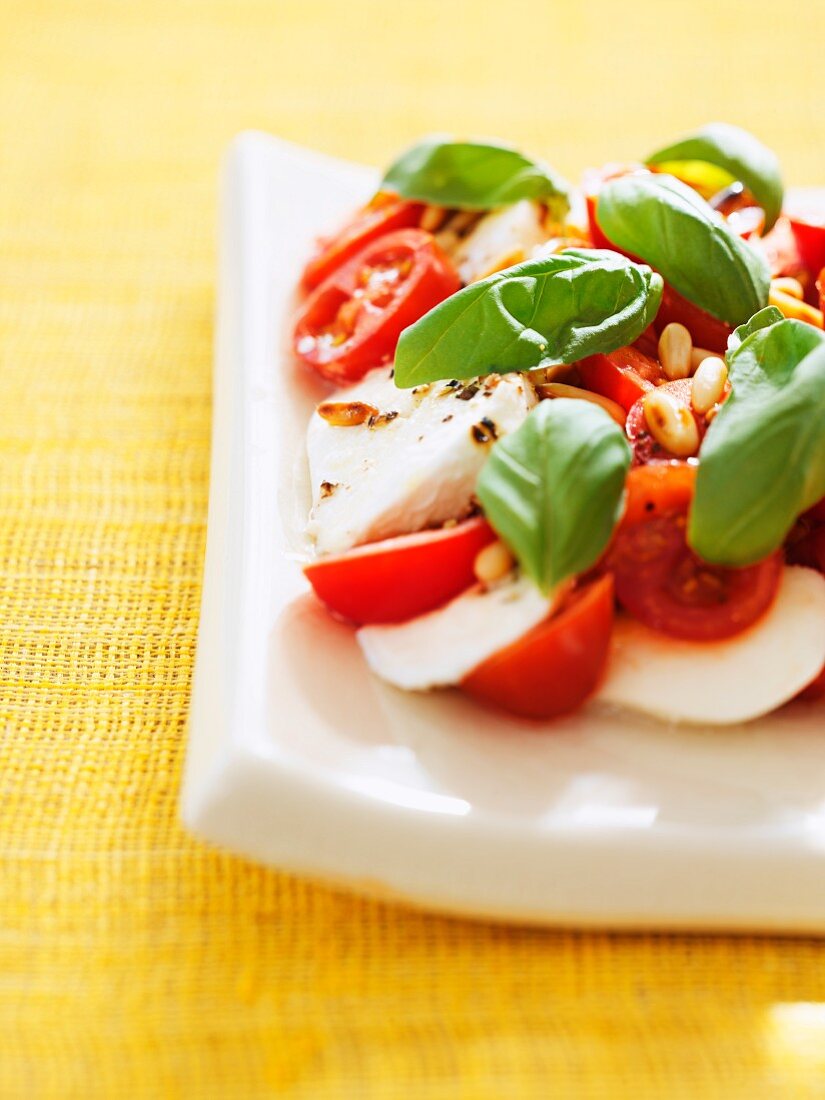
[660, 489]
[384, 214]
[553, 668]
[662, 583]
[705, 330]
[781, 251]
[352, 321]
[399, 578]
[645, 447]
[624, 375]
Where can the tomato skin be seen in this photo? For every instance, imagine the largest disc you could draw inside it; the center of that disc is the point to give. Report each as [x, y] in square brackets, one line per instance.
[384, 214]
[645, 448]
[352, 321]
[810, 241]
[555, 666]
[624, 375]
[399, 578]
[705, 330]
[662, 583]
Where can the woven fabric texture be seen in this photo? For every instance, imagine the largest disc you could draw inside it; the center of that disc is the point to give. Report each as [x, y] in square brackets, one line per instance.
[135, 962]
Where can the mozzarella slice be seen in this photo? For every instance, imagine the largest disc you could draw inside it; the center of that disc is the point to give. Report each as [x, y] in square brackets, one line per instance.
[416, 465]
[722, 683]
[442, 647]
[498, 240]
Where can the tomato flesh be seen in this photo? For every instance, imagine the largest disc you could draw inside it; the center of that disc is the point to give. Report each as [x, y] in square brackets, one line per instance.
[399, 578]
[662, 583]
[555, 666]
[624, 376]
[810, 241]
[352, 321]
[383, 215]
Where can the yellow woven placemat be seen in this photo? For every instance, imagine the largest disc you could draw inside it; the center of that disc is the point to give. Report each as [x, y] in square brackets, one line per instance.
[133, 961]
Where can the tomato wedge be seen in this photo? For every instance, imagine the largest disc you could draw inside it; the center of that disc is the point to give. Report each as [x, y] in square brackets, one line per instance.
[384, 214]
[647, 449]
[809, 234]
[662, 583]
[352, 321]
[624, 375]
[399, 578]
[705, 330]
[553, 668]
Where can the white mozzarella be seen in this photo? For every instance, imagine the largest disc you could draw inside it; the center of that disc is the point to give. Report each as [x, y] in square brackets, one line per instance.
[411, 470]
[442, 647]
[722, 683]
[499, 239]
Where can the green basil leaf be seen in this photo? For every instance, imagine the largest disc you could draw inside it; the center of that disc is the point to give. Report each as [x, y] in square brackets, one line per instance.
[474, 175]
[762, 461]
[556, 309]
[553, 489]
[662, 220]
[763, 319]
[739, 155]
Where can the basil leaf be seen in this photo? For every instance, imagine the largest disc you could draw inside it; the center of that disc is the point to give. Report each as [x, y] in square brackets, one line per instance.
[737, 153]
[474, 175]
[553, 489]
[666, 223]
[763, 319]
[556, 309]
[762, 461]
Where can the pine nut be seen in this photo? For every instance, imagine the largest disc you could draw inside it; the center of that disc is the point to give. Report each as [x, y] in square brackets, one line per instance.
[792, 307]
[711, 413]
[433, 218]
[697, 355]
[671, 423]
[560, 389]
[675, 346]
[346, 414]
[788, 285]
[493, 563]
[708, 383]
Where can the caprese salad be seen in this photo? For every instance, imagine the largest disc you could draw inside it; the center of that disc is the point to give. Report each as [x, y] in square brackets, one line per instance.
[577, 444]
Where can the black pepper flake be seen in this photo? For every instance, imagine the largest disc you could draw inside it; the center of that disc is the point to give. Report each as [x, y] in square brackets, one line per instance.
[485, 431]
[468, 392]
[328, 488]
[447, 418]
[382, 418]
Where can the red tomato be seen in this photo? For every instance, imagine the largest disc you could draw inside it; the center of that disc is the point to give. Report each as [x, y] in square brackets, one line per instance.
[399, 578]
[809, 234]
[383, 215]
[706, 331]
[656, 490]
[553, 668]
[352, 321]
[624, 375]
[662, 583]
[781, 251]
[645, 447]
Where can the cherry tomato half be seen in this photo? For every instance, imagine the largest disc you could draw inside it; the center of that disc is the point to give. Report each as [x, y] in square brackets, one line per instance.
[384, 214]
[624, 375]
[662, 583]
[645, 447]
[553, 668]
[396, 579]
[352, 321]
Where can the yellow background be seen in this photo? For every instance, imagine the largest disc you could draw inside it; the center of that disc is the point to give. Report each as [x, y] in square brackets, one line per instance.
[133, 961]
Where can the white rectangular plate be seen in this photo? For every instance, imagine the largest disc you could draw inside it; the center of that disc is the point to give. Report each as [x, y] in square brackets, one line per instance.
[300, 758]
